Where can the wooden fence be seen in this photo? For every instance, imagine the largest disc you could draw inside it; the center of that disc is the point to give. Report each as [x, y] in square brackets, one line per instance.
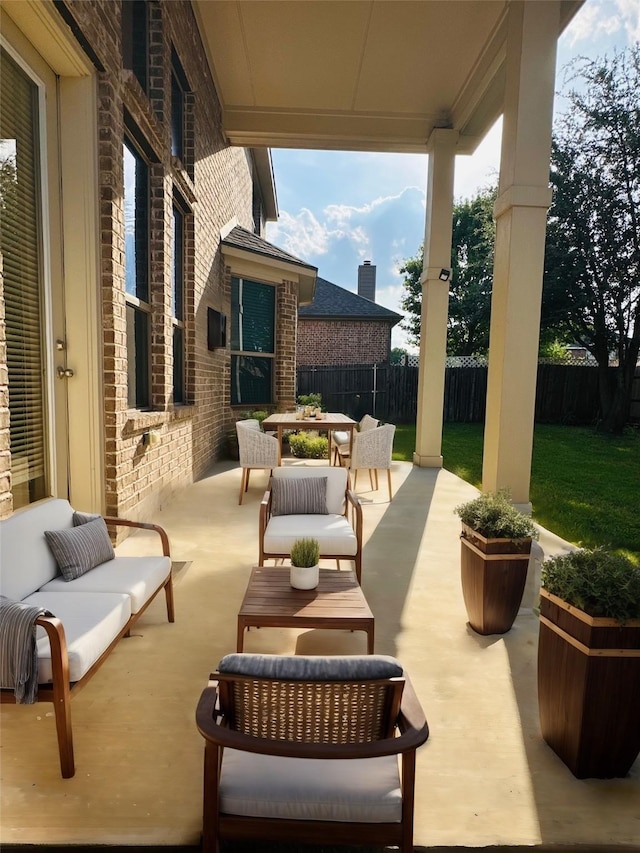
[565, 393]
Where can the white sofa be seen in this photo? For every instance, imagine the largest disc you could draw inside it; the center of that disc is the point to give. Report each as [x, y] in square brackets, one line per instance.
[90, 614]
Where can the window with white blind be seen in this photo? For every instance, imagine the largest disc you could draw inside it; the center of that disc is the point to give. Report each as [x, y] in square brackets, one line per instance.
[21, 247]
[136, 265]
[252, 341]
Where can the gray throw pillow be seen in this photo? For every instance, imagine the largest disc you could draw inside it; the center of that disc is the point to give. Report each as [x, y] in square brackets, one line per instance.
[82, 517]
[304, 496]
[77, 550]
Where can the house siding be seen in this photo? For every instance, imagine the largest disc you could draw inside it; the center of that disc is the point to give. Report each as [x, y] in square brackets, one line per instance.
[215, 183]
[341, 342]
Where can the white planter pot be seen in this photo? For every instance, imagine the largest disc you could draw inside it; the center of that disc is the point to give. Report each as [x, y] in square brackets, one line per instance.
[304, 577]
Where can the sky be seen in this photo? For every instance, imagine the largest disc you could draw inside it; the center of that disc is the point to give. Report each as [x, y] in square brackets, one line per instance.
[338, 209]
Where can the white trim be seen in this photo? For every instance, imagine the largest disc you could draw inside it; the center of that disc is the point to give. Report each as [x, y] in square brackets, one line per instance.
[46, 331]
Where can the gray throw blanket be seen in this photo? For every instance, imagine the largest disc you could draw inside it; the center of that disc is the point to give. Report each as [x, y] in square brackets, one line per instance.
[18, 651]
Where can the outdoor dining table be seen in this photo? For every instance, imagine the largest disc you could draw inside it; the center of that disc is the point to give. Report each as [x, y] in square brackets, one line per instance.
[329, 421]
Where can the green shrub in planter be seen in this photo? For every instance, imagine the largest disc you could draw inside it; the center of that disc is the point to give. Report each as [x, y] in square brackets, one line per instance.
[589, 661]
[595, 580]
[493, 516]
[494, 560]
[307, 445]
[305, 553]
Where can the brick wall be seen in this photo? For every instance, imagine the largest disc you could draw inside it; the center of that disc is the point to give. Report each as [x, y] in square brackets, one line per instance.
[214, 184]
[322, 342]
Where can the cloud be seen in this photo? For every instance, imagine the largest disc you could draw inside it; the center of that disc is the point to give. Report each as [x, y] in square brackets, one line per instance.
[600, 19]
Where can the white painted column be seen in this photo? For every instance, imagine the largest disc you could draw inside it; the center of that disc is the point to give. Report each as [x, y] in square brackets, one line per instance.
[435, 298]
[521, 214]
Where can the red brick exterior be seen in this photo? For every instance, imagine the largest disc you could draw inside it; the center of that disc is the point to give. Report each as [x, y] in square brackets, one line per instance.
[215, 183]
[322, 342]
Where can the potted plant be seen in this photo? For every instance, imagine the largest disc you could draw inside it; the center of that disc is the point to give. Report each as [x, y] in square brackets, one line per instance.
[589, 661]
[305, 556]
[495, 547]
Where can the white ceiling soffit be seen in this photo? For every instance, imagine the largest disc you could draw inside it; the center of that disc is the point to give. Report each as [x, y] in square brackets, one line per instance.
[371, 75]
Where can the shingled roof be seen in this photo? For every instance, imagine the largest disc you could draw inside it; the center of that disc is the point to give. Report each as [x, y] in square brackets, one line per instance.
[334, 302]
[250, 242]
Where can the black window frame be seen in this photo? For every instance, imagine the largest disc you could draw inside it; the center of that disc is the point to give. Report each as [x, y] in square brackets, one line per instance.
[135, 39]
[251, 359]
[179, 213]
[179, 89]
[138, 302]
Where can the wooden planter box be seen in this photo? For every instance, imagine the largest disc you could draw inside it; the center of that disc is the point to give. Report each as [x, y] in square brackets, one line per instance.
[493, 574]
[589, 689]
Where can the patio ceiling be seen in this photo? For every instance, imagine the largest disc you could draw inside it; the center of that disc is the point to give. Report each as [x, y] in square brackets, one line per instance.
[371, 75]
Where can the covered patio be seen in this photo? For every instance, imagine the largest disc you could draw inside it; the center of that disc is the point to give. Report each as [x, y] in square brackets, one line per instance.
[484, 778]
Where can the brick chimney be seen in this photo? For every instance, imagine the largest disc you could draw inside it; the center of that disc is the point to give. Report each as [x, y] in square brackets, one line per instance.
[367, 280]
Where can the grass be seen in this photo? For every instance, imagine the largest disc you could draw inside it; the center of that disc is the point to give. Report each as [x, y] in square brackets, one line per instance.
[584, 485]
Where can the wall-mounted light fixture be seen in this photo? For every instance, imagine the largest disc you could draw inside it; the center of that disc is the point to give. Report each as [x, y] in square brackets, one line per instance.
[444, 275]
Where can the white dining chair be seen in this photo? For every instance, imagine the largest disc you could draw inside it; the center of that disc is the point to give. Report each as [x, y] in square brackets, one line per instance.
[256, 450]
[372, 449]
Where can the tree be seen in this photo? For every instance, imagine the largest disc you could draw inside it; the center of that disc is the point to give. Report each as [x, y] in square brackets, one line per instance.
[471, 274]
[411, 302]
[398, 355]
[471, 278]
[592, 265]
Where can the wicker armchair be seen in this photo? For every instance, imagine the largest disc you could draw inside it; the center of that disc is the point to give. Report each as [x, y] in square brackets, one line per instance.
[341, 439]
[306, 748]
[256, 450]
[372, 450]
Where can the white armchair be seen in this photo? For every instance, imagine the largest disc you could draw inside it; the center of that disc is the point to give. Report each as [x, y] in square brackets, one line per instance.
[256, 450]
[288, 513]
[372, 449]
[341, 439]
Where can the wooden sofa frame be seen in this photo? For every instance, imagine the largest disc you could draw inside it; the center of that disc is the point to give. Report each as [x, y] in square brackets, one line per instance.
[60, 690]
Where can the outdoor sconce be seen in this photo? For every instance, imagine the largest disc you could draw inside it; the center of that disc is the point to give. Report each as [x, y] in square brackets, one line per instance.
[444, 275]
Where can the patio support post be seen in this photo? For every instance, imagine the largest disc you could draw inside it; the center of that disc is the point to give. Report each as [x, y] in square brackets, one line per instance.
[435, 298]
[521, 213]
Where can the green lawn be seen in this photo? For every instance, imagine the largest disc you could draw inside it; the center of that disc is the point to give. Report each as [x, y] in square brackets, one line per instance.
[584, 486]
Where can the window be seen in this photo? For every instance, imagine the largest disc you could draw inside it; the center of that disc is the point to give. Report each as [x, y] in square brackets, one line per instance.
[136, 265]
[135, 39]
[20, 244]
[252, 331]
[177, 302]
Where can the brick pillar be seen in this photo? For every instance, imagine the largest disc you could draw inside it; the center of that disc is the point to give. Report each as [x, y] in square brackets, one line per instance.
[286, 327]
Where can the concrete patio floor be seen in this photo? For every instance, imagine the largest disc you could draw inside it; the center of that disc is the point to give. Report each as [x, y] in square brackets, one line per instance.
[485, 777]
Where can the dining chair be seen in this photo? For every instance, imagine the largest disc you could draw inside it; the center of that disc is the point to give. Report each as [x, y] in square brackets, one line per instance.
[340, 438]
[256, 450]
[373, 450]
[302, 748]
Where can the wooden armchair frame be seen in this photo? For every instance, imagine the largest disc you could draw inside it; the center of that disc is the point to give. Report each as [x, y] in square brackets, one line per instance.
[218, 720]
[353, 514]
[60, 690]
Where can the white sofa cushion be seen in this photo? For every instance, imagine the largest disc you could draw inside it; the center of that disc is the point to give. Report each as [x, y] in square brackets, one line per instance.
[366, 790]
[333, 532]
[336, 482]
[91, 622]
[137, 577]
[26, 563]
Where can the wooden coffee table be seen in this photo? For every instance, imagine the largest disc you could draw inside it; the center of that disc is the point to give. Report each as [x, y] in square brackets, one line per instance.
[337, 602]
